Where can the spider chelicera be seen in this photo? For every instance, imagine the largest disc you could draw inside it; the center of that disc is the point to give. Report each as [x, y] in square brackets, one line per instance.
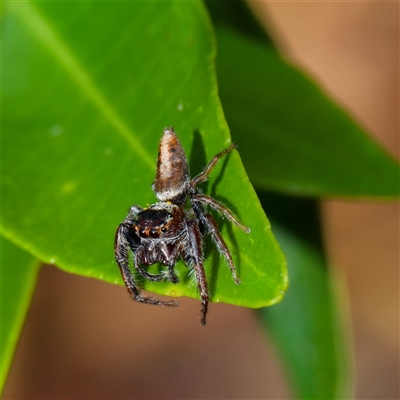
[167, 230]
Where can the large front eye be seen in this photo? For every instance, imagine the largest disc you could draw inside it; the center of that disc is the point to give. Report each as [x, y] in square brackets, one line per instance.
[154, 233]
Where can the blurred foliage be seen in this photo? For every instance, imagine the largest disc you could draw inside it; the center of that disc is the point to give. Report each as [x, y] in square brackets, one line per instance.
[294, 140]
[307, 144]
[87, 89]
[309, 325]
[17, 281]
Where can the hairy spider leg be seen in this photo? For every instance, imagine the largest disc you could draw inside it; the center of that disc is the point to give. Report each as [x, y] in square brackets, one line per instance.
[133, 211]
[213, 230]
[121, 248]
[172, 277]
[195, 258]
[217, 206]
[170, 260]
[138, 259]
[203, 176]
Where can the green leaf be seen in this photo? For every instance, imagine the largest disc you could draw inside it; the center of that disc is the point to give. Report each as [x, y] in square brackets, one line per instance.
[87, 89]
[238, 16]
[309, 326]
[293, 139]
[17, 280]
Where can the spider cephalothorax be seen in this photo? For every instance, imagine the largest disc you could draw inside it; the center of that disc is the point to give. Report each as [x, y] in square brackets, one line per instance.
[167, 230]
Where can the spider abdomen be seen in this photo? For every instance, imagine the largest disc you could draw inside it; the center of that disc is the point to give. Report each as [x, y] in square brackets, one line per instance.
[172, 177]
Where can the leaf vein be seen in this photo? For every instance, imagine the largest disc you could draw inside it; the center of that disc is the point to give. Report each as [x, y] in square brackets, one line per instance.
[42, 29]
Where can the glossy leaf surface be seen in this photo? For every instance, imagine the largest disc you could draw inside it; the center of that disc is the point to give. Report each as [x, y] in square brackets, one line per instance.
[17, 281]
[88, 89]
[293, 139]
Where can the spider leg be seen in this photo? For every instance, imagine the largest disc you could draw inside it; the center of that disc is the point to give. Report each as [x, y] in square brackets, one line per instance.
[212, 228]
[172, 277]
[133, 211]
[203, 176]
[217, 206]
[195, 257]
[139, 255]
[170, 261]
[121, 247]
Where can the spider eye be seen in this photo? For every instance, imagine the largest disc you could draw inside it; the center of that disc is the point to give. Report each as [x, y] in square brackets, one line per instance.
[154, 233]
[169, 215]
[164, 230]
[142, 232]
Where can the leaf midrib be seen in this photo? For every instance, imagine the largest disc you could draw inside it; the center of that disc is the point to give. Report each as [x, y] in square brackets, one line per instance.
[48, 36]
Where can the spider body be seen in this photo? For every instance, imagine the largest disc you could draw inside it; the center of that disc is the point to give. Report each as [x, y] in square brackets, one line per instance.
[167, 230]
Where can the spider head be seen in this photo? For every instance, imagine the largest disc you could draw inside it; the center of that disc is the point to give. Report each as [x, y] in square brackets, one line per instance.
[161, 220]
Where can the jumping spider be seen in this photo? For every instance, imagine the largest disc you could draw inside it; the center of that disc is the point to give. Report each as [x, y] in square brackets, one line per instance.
[165, 231]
